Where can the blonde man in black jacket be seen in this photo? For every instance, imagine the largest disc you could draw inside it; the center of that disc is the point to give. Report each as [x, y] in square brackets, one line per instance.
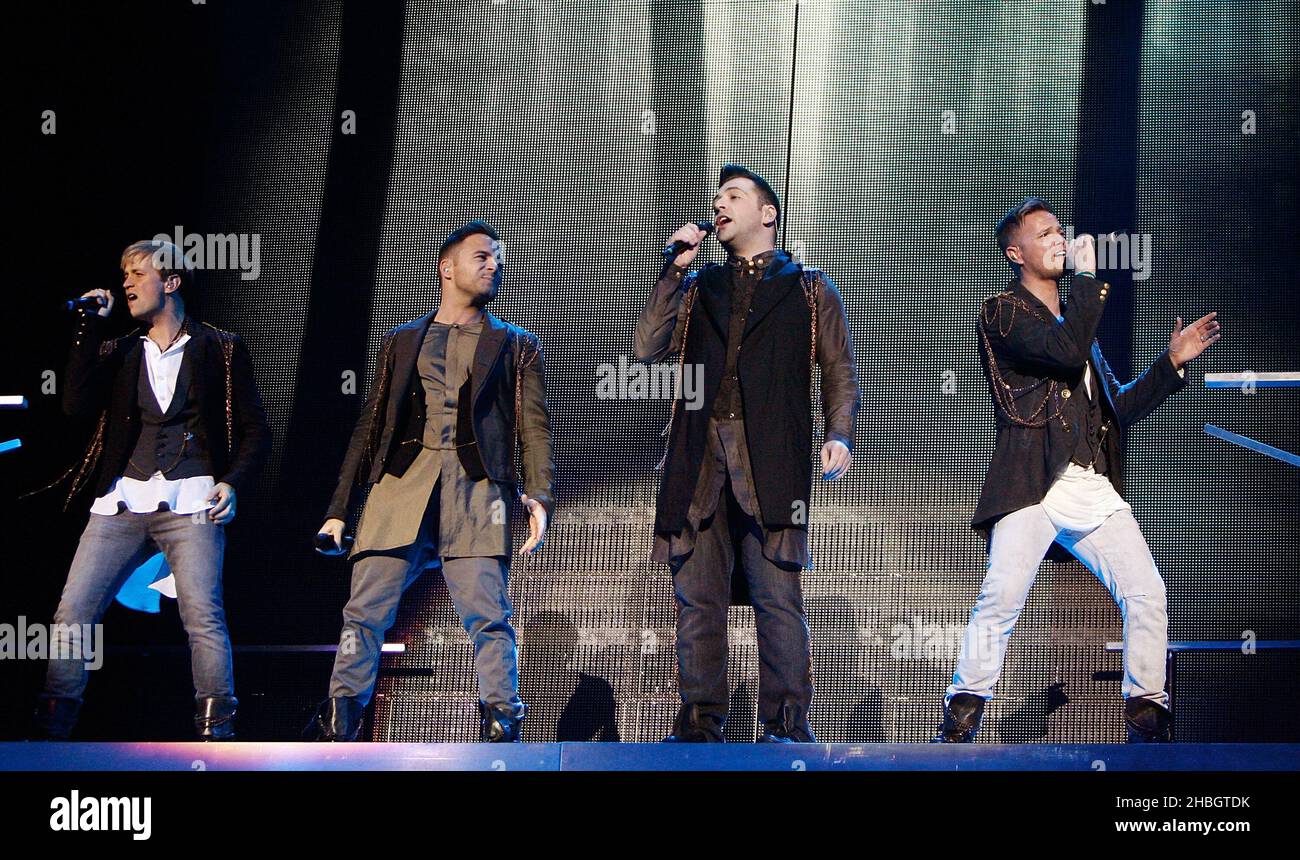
[180, 429]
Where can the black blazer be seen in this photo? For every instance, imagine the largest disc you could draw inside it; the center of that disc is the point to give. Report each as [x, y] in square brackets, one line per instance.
[386, 438]
[103, 378]
[1034, 366]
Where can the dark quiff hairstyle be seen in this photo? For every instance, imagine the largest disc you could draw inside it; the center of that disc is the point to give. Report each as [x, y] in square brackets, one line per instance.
[766, 196]
[460, 234]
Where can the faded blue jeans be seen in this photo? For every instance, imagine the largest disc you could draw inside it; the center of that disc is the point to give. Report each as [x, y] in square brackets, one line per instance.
[111, 548]
[1115, 551]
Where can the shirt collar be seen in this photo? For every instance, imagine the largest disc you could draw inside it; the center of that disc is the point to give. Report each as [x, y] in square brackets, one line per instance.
[759, 263]
[171, 350]
[183, 337]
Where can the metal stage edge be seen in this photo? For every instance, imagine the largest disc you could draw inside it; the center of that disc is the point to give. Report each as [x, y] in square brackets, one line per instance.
[289, 756]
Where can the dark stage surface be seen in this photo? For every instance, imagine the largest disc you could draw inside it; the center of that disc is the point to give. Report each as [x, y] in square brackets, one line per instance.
[350, 139]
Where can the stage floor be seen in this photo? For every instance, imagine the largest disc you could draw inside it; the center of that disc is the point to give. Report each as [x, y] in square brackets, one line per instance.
[254, 756]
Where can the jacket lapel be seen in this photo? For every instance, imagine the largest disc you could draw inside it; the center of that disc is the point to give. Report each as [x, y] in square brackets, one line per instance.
[715, 296]
[486, 353]
[184, 378]
[769, 294]
[129, 388]
[406, 351]
[1099, 381]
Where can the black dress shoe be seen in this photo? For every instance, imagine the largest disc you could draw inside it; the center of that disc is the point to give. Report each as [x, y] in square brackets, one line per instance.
[214, 719]
[789, 727]
[1148, 722]
[338, 718]
[694, 726]
[54, 718]
[961, 719]
[500, 727]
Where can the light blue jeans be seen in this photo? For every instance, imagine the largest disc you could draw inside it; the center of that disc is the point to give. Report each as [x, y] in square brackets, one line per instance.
[1115, 551]
[111, 548]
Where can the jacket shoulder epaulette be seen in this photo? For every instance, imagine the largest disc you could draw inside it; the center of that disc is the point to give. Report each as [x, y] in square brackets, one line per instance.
[221, 332]
[991, 308]
[814, 275]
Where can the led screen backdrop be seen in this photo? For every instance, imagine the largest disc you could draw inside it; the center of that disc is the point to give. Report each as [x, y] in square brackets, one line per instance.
[897, 134]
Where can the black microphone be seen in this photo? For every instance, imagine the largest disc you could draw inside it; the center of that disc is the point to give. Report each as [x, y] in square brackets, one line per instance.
[324, 544]
[89, 304]
[680, 245]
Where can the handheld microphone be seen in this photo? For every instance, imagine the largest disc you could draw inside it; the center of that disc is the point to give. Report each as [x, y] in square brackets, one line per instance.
[324, 544]
[680, 245]
[89, 304]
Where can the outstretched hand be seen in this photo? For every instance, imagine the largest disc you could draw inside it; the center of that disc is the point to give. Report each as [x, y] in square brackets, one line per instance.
[1187, 343]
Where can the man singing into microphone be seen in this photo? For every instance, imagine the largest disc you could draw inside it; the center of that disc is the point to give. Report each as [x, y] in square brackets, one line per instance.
[737, 477]
[1056, 475]
[181, 426]
[437, 440]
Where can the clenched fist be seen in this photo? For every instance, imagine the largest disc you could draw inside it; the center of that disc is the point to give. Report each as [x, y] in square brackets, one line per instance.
[105, 300]
[693, 236]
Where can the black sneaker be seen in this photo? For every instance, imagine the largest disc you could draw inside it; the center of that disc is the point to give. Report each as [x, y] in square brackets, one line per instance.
[500, 727]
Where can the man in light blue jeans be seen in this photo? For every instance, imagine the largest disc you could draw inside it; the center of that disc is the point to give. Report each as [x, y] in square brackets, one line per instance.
[1055, 482]
[180, 428]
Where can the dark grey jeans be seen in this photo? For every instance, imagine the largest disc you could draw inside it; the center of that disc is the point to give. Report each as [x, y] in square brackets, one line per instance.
[479, 590]
[702, 584]
[111, 548]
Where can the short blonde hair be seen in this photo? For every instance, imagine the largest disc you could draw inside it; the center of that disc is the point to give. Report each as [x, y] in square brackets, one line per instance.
[164, 256]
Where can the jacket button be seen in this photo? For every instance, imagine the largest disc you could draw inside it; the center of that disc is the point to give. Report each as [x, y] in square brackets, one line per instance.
[1066, 394]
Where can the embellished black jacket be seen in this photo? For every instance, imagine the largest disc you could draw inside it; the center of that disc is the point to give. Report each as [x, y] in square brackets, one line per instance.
[1035, 368]
[796, 319]
[505, 395]
[102, 378]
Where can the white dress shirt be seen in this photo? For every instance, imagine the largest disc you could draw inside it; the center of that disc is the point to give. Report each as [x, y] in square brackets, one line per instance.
[1080, 500]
